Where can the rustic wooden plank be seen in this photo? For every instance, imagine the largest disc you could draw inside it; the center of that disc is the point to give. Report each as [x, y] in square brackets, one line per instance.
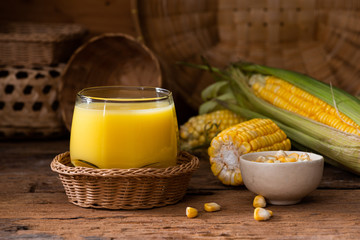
[33, 204]
[32, 147]
[323, 214]
[337, 178]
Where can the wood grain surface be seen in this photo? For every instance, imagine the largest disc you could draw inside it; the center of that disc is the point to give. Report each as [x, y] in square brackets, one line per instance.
[33, 205]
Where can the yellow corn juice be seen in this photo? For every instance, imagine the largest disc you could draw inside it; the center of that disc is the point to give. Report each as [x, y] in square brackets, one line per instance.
[125, 135]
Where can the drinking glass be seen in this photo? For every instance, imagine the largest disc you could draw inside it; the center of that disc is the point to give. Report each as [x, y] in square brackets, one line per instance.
[124, 127]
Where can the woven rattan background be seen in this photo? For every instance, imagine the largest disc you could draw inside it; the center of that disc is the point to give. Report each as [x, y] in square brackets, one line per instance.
[317, 37]
[38, 43]
[29, 104]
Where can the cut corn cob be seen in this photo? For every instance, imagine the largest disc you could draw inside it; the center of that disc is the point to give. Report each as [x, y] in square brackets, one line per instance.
[259, 201]
[261, 214]
[191, 212]
[250, 136]
[212, 207]
[199, 130]
[289, 97]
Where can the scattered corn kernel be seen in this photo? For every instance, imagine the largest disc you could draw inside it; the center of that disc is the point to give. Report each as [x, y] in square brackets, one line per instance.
[212, 207]
[259, 201]
[282, 157]
[261, 214]
[191, 212]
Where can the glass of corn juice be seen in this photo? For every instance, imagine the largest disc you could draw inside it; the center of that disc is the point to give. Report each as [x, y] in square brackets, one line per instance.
[124, 127]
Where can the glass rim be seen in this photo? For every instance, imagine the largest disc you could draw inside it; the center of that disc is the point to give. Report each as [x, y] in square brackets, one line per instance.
[166, 94]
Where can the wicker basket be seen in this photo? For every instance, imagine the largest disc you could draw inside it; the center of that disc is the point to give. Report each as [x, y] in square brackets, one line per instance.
[29, 105]
[38, 43]
[107, 59]
[320, 38]
[137, 188]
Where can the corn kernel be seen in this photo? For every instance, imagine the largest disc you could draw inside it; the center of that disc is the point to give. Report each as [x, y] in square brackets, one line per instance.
[212, 207]
[259, 201]
[260, 159]
[191, 212]
[294, 155]
[271, 157]
[261, 214]
[282, 159]
[290, 159]
[280, 153]
[304, 157]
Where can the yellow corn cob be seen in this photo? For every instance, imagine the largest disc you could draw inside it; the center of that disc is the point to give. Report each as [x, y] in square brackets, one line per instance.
[250, 136]
[286, 96]
[199, 130]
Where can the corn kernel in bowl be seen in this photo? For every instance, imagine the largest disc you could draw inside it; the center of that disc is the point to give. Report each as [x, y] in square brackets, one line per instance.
[283, 157]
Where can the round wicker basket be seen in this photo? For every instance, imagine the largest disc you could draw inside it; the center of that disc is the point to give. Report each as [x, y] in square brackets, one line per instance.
[316, 37]
[107, 59]
[136, 188]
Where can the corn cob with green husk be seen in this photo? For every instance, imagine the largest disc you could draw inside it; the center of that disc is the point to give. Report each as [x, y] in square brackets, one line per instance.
[289, 97]
[198, 131]
[313, 114]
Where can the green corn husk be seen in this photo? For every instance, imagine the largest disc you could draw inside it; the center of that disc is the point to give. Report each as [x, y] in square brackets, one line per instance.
[340, 148]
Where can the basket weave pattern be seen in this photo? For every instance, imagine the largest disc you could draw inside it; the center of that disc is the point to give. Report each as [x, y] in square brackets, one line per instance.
[317, 37]
[125, 188]
[38, 43]
[28, 100]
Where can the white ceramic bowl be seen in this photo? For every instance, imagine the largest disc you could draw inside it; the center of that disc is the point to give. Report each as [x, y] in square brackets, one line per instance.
[281, 183]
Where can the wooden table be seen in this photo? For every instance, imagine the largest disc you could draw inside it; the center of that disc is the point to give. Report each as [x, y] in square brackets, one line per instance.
[33, 205]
